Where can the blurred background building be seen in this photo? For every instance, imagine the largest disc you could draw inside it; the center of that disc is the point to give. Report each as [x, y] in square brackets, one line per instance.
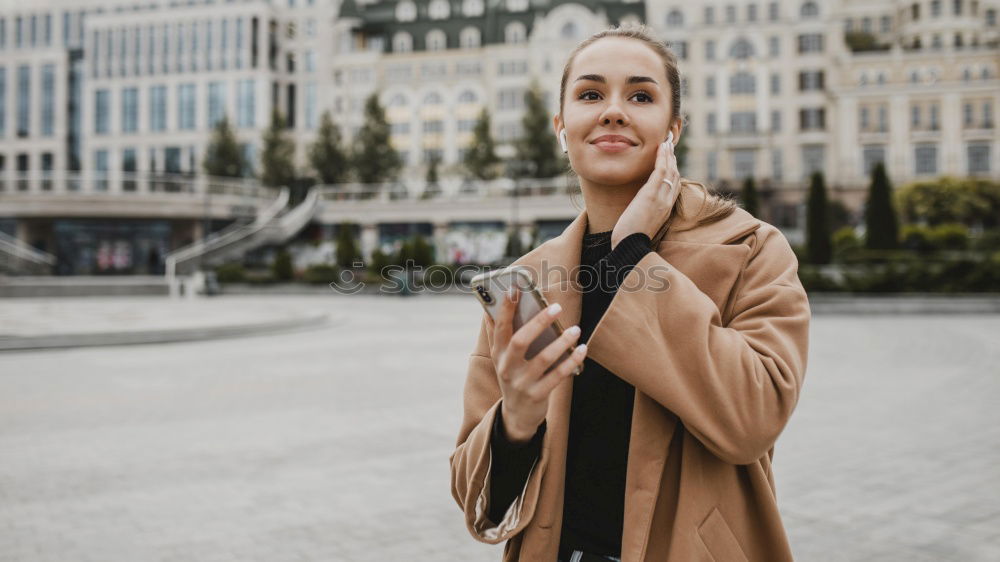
[107, 111]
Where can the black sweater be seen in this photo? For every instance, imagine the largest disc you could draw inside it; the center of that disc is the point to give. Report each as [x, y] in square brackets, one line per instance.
[600, 419]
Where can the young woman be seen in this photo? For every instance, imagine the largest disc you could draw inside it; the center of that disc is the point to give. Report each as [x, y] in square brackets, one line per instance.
[696, 329]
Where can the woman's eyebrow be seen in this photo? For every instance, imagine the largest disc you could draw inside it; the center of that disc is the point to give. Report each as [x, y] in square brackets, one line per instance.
[630, 80]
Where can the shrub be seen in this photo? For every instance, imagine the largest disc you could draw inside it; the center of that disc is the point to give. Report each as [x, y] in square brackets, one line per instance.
[281, 269]
[951, 236]
[230, 273]
[321, 273]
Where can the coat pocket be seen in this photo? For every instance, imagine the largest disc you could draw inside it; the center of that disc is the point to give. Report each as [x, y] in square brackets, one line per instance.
[719, 539]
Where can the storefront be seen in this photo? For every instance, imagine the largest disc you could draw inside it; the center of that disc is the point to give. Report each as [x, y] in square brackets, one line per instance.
[110, 247]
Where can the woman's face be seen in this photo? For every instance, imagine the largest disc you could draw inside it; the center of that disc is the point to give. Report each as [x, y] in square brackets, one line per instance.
[616, 86]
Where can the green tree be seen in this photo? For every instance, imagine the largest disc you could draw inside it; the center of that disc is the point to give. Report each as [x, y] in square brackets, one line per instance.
[326, 155]
[881, 224]
[432, 169]
[537, 146]
[278, 157]
[513, 244]
[819, 244]
[481, 159]
[223, 157]
[347, 249]
[751, 202]
[680, 152]
[281, 269]
[374, 158]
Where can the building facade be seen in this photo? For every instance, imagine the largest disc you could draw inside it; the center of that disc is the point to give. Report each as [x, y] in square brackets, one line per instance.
[104, 102]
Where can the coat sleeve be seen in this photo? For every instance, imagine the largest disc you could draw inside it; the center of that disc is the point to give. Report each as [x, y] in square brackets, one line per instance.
[471, 460]
[733, 386]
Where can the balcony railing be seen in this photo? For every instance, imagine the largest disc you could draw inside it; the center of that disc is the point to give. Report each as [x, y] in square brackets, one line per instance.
[450, 189]
[126, 184]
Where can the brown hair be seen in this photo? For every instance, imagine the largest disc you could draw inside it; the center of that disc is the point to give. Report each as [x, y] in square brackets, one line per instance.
[714, 207]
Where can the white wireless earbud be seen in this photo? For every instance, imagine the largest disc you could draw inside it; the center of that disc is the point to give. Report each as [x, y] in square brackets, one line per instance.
[562, 140]
[670, 137]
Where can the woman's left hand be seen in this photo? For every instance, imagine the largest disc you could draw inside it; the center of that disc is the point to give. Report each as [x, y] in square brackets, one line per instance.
[655, 200]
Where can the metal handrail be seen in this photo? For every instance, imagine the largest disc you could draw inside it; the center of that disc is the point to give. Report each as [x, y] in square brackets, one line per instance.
[231, 235]
[13, 249]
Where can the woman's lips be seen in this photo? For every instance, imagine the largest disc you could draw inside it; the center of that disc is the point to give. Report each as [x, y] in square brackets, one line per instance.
[612, 146]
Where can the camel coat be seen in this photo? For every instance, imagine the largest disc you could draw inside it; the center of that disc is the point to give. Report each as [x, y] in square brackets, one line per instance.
[717, 360]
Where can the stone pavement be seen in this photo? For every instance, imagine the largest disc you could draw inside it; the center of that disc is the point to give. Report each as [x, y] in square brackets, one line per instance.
[333, 443]
[41, 323]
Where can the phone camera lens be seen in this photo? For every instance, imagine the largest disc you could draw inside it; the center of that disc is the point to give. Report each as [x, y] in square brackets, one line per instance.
[483, 294]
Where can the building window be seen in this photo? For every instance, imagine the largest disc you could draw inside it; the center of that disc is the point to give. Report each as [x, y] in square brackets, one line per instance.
[978, 158]
[675, 18]
[510, 98]
[158, 108]
[810, 80]
[710, 125]
[101, 169]
[742, 83]
[185, 106]
[102, 112]
[741, 49]
[743, 122]
[48, 99]
[710, 49]
[23, 100]
[402, 42]
[883, 119]
[469, 38]
[774, 46]
[773, 11]
[811, 119]
[246, 104]
[925, 159]
[436, 40]
[871, 155]
[709, 15]
[433, 127]
[3, 102]
[438, 9]
[472, 8]
[810, 43]
[406, 11]
[812, 159]
[885, 24]
[777, 171]
[680, 48]
[710, 86]
[311, 107]
[712, 163]
[775, 84]
[809, 10]
[752, 12]
[730, 14]
[776, 121]
[515, 32]
[130, 110]
[216, 102]
[743, 163]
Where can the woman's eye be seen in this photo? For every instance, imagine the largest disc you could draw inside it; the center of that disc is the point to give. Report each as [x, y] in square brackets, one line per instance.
[591, 92]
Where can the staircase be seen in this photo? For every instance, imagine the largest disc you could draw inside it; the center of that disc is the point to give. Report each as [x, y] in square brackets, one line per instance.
[274, 225]
[19, 258]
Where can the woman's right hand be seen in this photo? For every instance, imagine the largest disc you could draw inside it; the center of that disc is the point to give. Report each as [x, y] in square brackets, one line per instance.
[524, 384]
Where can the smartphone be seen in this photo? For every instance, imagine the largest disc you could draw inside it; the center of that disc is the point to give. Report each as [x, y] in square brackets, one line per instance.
[490, 289]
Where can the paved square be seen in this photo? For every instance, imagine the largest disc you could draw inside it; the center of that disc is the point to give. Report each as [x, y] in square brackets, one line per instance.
[333, 444]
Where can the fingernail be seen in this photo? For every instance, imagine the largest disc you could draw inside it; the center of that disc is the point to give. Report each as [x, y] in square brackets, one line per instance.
[581, 347]
[573, 330]
[554, 309]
